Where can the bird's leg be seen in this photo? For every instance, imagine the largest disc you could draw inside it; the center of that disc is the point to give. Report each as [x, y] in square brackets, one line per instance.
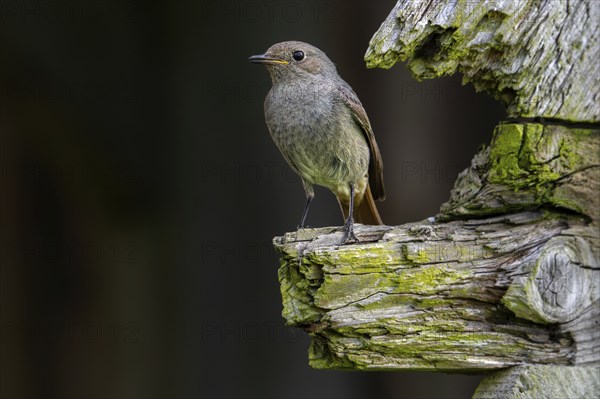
[305, 213]
[310, 194]
[349, 226]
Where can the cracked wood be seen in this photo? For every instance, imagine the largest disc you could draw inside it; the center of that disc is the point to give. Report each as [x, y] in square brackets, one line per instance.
[539, 57]
[439, 296]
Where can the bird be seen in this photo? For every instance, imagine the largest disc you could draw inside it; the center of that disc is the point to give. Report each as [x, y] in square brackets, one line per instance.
[323, 131]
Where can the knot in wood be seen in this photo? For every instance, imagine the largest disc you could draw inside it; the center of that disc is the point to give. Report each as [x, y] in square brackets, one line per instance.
[562, 282]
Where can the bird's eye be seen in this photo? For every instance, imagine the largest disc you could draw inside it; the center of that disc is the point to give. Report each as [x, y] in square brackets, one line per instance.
[298, 55]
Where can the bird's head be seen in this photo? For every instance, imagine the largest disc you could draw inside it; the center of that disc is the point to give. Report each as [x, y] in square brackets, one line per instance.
[294, 60]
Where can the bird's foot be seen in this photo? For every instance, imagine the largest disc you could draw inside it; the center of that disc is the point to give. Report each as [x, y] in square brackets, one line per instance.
[349, 237]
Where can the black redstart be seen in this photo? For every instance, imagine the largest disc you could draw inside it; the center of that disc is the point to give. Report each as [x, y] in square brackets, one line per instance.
[323, 131]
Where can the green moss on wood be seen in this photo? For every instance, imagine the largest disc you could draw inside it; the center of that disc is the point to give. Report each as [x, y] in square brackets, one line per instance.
[298, 304]
[390, 311]
[339, 289]
[512, 50]
[514, 158]
[530, 166]
[540, 381]
[415, 348]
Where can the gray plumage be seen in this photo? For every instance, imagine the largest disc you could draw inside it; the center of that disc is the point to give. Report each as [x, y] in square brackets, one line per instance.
[321, 128]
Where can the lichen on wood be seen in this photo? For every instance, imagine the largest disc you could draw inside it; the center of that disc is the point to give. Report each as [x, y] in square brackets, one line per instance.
[539, 57]
[428, 296]
[533, 382]
[530, 166]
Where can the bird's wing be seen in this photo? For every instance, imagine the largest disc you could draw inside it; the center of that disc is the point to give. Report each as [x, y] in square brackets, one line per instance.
[360, 116]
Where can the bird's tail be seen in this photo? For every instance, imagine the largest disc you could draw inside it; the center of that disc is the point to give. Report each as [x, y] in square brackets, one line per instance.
[365, 211]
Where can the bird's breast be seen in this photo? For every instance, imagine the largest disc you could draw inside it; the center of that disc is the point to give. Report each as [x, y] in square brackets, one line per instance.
[316, 134]
[300, 113]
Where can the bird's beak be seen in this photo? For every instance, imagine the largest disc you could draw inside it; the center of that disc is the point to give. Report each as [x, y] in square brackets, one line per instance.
[265, 59]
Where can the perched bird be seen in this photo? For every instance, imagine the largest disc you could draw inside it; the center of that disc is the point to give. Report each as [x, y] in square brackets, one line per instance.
[323, 131]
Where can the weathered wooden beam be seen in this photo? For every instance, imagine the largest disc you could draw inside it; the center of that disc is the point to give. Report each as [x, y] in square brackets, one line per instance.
[533, 382]
[446, 296]
[539, 57]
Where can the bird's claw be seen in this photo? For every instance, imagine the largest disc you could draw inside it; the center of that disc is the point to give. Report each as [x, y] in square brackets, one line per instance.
[349, 236]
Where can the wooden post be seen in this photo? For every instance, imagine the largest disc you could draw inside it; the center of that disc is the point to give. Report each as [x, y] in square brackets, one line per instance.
[508, 275]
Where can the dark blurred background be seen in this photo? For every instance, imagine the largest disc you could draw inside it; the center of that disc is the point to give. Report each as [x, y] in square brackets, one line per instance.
[140, 191]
